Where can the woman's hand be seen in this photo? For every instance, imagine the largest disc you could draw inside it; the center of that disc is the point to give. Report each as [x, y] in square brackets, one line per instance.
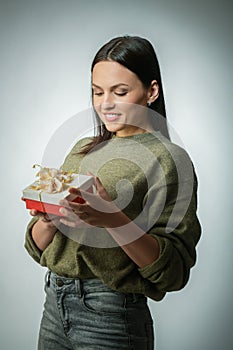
[51, 220]
[44, 230]
[97, 210]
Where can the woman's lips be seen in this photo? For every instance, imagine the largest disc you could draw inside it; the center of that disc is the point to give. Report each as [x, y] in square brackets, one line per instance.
[111, 117]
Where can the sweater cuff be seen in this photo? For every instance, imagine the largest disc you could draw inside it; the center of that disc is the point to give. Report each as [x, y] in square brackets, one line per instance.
[153, 271]
[30, 245]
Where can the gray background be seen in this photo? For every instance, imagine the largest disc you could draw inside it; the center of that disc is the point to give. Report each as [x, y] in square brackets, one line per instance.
[46, 52]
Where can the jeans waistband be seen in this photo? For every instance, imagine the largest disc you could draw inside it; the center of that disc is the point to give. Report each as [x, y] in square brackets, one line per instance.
[81, 286]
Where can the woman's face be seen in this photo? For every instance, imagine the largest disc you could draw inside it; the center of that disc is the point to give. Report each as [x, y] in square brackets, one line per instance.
[116, 91]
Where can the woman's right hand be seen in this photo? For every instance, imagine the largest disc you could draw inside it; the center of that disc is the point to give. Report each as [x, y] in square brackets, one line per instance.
[44, 229]
[44, 217]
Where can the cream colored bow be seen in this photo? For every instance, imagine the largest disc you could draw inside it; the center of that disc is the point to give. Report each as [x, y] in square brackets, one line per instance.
[51, 180]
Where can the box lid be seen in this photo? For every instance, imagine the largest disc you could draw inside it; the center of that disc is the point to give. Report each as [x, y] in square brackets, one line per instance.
[80, 181]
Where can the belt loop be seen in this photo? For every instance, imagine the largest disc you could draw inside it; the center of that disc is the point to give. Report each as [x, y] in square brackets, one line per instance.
[79, 287]
[134, 297]
[131, 297]
[47, 278]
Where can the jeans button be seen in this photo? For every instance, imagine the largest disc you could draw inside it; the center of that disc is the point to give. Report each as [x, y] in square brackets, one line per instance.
[59, 282]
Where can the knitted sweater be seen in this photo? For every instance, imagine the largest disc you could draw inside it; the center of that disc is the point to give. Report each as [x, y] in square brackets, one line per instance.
[153, 181]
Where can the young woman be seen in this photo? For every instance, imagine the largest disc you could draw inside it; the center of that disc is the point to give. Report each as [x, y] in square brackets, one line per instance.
[135, 237]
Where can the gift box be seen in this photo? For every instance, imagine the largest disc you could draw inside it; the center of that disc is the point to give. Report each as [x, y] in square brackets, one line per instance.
[49, 202]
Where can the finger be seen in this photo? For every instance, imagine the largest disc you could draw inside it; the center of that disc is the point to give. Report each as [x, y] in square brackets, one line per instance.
[72, 220]
[94, 177]
[45, 218]
[100, 190]
[71, 217]
[64, 203]
[52, 217]
[74, 224]
[87, 196]
[98, 183]
[79, 207]
[34, 212]
[67, 222]
[80, 215]
[56, 220]
[72, 205]
[66, 211]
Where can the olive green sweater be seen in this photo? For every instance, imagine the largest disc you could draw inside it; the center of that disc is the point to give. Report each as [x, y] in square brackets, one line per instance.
[154, 183]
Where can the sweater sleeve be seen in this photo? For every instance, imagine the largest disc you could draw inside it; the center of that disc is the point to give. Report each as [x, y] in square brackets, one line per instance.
[29, 244]
[177, 238]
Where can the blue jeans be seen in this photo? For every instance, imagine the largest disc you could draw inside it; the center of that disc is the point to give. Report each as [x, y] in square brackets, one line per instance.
[88, 315]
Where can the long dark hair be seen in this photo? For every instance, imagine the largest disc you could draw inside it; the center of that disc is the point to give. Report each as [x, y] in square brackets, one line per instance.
[138, 55]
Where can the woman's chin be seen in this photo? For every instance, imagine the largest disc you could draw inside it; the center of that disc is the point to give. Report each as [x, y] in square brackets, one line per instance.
[112, 128]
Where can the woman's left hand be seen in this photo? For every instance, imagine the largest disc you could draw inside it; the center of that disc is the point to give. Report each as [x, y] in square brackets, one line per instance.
[97, 210]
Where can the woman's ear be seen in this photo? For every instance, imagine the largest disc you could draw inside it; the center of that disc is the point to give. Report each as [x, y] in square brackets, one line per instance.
[153, 92]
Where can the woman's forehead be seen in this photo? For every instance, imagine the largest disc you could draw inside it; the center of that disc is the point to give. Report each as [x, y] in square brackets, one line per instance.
[112, 73]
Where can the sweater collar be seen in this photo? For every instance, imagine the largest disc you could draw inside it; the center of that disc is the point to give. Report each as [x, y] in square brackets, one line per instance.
[144, 137]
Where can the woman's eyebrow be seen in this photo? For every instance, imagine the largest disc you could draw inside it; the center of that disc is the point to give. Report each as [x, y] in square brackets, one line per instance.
[112, 87]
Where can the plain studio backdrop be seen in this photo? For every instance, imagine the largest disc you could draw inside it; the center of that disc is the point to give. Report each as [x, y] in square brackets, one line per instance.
[46, 52]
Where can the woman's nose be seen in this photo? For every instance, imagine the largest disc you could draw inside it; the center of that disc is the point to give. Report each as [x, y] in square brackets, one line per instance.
[108, 101]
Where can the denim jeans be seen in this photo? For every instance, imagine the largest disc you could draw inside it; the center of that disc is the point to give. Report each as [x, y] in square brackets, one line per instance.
[88, 315]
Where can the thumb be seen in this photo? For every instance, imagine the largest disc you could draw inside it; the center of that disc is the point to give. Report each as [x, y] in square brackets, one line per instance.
[99, 186]
[97, 182]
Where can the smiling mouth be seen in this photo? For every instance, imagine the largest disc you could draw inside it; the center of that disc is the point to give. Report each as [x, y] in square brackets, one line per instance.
[111, 117]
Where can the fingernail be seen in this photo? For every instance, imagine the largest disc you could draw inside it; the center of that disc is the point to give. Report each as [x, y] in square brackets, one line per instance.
[62, 211]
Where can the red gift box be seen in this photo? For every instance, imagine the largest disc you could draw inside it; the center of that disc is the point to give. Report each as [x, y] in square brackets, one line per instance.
[49, 202]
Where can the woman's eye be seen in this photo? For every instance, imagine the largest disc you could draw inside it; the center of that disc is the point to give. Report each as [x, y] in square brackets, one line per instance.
[121, 93]
[118, 93]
